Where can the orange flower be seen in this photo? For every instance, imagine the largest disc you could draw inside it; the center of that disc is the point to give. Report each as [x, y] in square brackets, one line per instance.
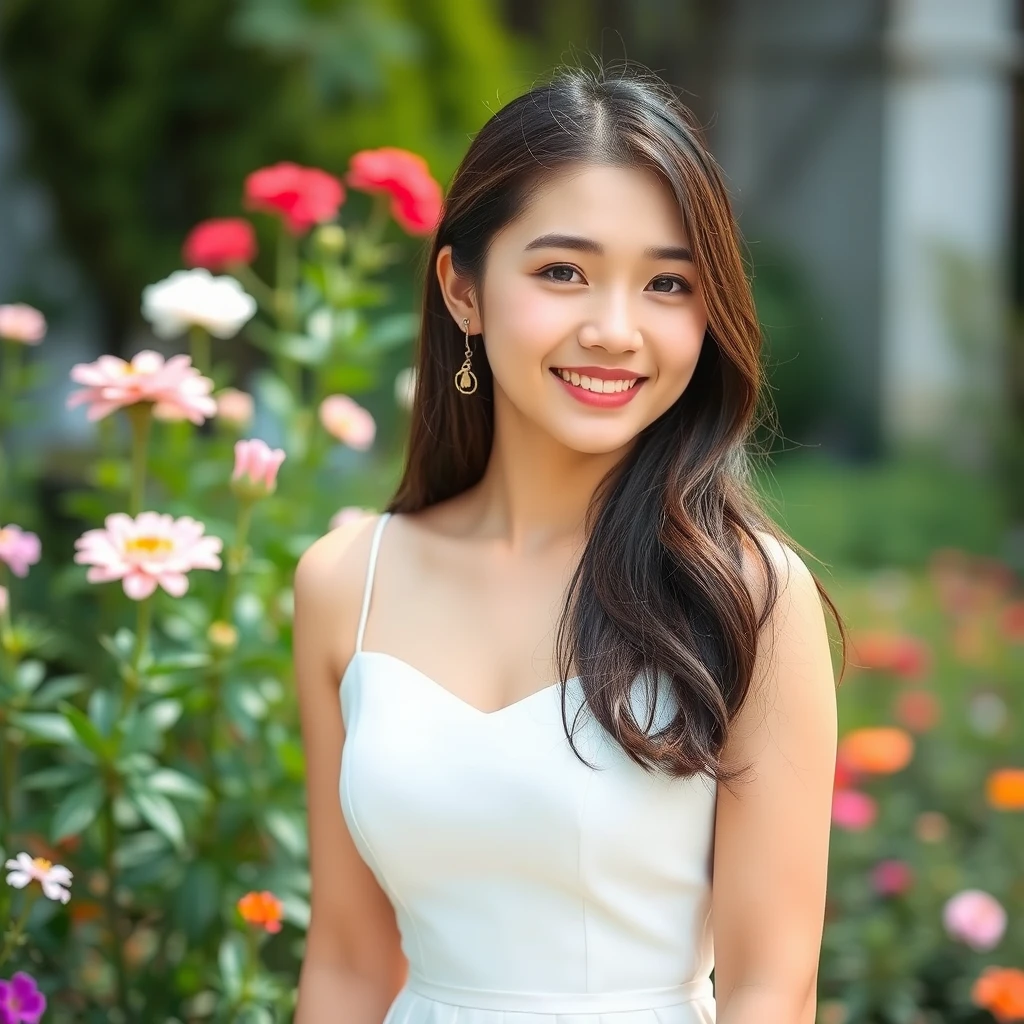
[1005, 789]
[881, 750]
[262, 909]
[1000, 990]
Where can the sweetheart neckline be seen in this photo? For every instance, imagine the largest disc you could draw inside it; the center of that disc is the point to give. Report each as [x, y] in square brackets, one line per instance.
[472, 708]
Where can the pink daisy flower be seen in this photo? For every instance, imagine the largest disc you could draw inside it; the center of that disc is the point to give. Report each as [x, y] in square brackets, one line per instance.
[55, 879]
[175, 387]
[151, 550]
[19, 549]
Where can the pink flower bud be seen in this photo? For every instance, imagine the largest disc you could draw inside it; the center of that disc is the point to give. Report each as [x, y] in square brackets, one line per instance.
[256, 466]
[22, 323]
[234, 407]
[349, 422]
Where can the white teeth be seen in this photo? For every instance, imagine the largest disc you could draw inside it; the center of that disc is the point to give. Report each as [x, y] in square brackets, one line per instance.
[596, 384]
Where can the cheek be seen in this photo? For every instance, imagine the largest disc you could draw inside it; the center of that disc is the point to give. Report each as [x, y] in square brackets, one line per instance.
[531, 319]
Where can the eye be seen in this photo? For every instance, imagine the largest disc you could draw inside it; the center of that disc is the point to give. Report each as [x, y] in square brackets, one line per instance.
[684, 285]
[548, 271]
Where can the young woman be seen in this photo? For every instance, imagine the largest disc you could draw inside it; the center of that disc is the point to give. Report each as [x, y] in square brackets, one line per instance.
[582, 674]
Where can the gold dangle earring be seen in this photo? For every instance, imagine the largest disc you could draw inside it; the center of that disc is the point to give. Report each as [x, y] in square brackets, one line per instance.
[465, 378]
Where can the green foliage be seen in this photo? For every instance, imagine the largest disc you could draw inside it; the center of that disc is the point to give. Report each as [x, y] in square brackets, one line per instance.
[892, 513]
[153, 745]
[143, 118]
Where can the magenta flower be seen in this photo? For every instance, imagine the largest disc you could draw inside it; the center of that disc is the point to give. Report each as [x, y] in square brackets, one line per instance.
[345, 419]
[853, 810]
[256, 466]
[21, 1002]
[892, 877]
[19, 549]
[175, 387]
[975, 918]
[152, 549]
[22, 323]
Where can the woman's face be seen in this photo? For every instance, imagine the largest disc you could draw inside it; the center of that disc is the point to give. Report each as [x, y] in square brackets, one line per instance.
[594, 282]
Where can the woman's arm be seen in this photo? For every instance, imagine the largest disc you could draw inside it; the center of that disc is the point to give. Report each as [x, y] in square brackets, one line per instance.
[772, 836]
[353, 965]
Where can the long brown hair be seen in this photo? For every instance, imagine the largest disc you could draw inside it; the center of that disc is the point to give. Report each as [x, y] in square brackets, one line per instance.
[659, 588]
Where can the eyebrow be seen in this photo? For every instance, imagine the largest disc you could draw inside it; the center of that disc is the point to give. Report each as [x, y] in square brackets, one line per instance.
[652, 252]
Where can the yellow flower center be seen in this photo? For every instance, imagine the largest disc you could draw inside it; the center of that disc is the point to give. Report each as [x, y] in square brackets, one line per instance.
[42, 863]
[149, 545]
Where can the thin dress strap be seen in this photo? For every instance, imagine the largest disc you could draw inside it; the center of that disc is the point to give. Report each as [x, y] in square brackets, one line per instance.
[368, 586]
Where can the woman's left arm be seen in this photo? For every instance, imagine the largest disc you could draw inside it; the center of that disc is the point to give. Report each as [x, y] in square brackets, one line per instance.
[772, 834]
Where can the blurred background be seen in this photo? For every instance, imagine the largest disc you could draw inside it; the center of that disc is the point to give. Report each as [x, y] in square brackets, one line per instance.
[873, 152]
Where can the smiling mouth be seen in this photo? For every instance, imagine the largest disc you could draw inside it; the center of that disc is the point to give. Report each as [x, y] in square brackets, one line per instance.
[596, 384]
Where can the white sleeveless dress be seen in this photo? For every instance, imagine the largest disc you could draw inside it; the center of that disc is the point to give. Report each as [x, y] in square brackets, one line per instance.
[528, 887]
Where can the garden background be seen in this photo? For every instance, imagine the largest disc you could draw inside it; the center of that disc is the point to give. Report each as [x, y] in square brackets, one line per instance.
[149, 742]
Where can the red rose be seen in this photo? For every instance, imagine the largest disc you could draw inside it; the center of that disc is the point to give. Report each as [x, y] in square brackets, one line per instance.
[416, 198]
[216, 244]
[304, 196]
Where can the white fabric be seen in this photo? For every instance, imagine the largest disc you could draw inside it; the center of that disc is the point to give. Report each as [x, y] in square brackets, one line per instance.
[528, 887]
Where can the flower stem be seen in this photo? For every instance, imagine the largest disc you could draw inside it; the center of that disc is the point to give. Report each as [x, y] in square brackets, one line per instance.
[141, 418]
[286, 298]
[13, 936]
[236, 558]
[199, 346]
[110, 899]
[143, 624]
[9, 749]
[254, 285]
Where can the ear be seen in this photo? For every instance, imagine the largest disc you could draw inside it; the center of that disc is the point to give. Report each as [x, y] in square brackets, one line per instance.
[459, 293]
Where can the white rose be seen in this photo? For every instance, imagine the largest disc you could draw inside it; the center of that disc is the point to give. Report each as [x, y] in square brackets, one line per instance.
[196, 298]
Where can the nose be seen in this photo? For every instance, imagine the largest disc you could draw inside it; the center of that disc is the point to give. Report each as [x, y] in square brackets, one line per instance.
[613, 327]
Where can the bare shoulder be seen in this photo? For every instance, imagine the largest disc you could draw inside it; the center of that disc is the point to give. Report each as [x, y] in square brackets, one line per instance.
[794, 577]
[328, 586]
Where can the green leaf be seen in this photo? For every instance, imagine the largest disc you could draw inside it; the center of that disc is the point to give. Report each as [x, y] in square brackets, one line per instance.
[138, 848]
[197, 902]
[170, 782]
[273, 393]
[104, 711]
[46, 727]
[183, 662]
[87, 733]
[161, 715]
[121, 645]
[161, 814]
[77, 811]
[28, 675]
[288, 830]
[304, 349]
[58, 689]
[54, 777]
[392, 331]
[231, 958]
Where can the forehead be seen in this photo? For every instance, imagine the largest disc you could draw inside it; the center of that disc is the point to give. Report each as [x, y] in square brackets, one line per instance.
[625, 206]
